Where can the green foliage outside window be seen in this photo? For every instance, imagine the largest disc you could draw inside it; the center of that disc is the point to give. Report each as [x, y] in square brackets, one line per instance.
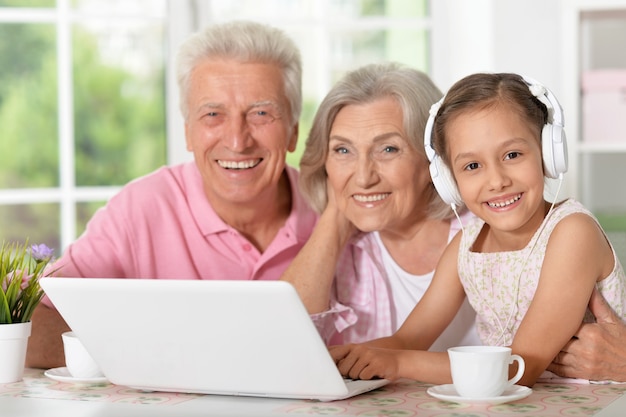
[28, 106]
[119, 119]
[119, 123]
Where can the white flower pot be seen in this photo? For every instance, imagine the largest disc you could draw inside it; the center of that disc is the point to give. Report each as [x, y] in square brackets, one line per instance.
[13, 343]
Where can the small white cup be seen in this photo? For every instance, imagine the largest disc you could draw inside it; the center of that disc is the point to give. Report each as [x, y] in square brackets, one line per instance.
[483, 371]
[78, 361]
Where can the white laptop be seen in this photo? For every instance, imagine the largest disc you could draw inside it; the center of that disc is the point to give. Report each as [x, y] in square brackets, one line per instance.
[250, 338]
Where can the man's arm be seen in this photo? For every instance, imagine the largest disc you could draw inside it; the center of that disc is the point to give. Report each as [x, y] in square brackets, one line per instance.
[45, 346]
[598, 350]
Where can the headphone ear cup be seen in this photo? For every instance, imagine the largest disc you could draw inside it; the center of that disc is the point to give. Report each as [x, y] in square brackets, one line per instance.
[554, 147]
[444, 182]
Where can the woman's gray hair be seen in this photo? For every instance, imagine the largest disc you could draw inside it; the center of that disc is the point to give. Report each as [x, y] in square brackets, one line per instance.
[246, 42]
[413, 90]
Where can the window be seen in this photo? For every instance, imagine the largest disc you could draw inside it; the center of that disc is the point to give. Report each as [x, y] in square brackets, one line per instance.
[83, 106]
[81, 109]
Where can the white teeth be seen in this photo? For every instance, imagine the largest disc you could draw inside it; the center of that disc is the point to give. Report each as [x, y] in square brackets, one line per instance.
[370, 198]
[238, 165]
[505, 203]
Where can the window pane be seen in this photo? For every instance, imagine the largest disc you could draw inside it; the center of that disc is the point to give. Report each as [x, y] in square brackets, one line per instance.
[84, 212]
[298, 9]
[28, 106]
[353, 49]
[27, 3]
[39, 223]
[373, 8]
[268, 9]
[121, 7]
[309, 107]
[118, 100]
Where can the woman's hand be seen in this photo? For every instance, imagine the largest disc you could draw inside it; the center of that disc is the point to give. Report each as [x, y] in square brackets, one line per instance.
[332, 212]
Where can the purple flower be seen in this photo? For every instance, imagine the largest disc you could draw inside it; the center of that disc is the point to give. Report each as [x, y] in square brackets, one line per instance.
[41, 253]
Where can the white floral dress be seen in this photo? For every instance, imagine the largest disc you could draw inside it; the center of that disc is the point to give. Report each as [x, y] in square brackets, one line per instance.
[500, 286]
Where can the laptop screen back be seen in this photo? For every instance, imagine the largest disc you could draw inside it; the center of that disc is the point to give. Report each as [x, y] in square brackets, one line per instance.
[219, 337]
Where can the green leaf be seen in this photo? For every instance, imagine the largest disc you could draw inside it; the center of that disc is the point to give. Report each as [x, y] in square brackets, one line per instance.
[20, 291]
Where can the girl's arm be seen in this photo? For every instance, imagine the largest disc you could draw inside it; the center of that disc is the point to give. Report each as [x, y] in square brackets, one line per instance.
[440, 303]
[403, 354]
[577, 256]
[366, 362]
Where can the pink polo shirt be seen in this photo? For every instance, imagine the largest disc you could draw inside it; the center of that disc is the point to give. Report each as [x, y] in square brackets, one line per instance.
[162, 226]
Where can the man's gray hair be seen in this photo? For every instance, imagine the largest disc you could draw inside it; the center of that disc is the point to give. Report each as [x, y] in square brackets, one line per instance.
[246, 42]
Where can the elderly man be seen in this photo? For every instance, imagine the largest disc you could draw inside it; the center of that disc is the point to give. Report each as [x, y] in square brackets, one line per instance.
[233, 213]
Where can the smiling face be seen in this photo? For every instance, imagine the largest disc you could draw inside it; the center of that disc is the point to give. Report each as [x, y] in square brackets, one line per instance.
[238, 129]
[378, 179]
[496, 161]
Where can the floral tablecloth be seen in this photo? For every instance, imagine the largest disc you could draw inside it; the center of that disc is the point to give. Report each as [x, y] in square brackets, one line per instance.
[401, 399]
[36, 385]
[409, 398]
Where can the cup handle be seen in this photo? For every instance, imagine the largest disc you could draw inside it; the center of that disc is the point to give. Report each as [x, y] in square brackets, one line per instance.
[521, 367]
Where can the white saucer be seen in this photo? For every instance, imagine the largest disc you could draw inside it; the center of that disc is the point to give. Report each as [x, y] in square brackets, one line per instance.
[63, 375]
[448, 393]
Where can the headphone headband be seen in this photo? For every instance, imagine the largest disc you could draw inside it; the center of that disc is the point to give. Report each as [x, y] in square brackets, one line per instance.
[428, 146]
[545, 96]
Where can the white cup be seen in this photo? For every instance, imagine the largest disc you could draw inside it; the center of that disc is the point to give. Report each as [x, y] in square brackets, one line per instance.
[78, 361]
[483, 371]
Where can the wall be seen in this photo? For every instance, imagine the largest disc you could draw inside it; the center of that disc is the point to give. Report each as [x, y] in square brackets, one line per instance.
[496, 35]
[499, 36]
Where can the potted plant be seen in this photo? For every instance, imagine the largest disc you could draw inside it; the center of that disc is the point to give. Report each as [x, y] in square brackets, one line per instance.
[21, 267]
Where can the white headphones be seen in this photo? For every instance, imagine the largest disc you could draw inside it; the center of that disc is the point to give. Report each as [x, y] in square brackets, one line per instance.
[553, 141]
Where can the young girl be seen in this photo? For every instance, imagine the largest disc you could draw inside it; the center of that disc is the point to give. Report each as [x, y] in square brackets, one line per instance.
[527, 266]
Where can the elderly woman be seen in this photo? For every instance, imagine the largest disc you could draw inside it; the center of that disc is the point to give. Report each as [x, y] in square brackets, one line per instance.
[383, 226]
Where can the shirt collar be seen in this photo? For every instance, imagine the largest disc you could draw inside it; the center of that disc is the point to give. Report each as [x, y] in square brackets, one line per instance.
[298, 225]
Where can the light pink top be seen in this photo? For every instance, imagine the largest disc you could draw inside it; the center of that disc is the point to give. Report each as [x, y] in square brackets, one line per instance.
[361, 303]
[162, 226]
[501, 285]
